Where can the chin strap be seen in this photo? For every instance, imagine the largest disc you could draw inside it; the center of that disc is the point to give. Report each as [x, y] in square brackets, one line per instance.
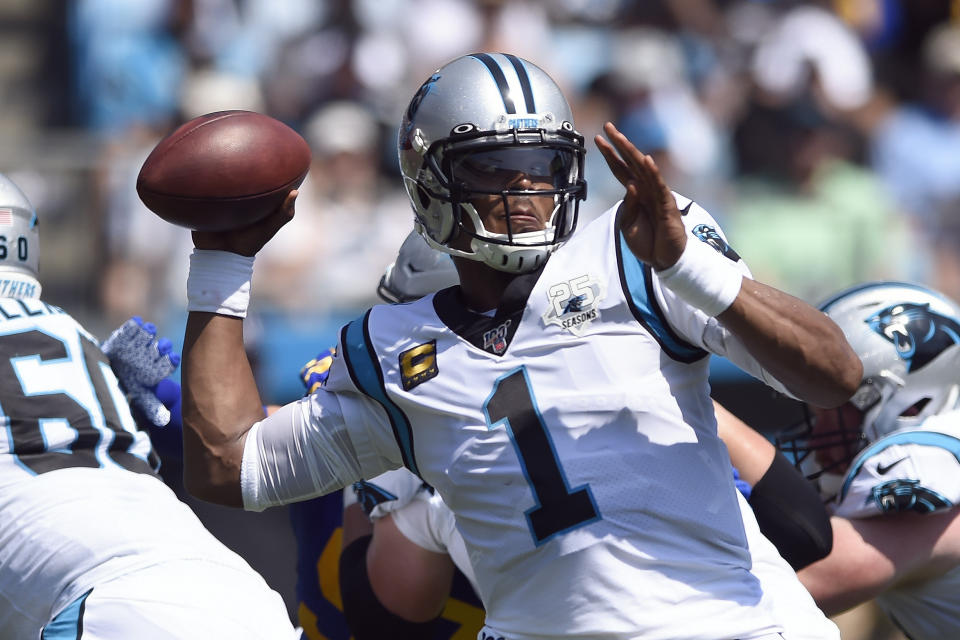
[511, 259]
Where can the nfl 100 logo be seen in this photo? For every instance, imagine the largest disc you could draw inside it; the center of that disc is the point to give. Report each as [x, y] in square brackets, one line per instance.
[496, 339]
[574, 304]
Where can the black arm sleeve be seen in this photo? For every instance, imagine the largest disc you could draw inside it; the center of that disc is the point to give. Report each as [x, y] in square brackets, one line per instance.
[366, 617]
[791, 514]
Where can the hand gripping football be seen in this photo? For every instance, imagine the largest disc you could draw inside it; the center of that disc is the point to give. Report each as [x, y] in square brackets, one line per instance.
[223, 170]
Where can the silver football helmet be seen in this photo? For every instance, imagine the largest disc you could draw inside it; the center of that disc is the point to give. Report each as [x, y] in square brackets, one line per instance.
[417, 271]
[908, 338]
[19, 243]
[474, 123]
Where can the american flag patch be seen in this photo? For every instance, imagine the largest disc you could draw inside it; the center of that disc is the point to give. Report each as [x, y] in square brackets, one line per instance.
[6, 217]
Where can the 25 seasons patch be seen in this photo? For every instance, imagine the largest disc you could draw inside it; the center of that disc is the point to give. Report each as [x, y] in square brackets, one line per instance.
[574, 303]
[418, 364]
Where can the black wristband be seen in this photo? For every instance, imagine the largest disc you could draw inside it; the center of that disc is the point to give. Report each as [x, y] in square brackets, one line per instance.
[367, 618]
[791, 514]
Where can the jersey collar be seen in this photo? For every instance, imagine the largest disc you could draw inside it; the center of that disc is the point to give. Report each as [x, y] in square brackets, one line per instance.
[491, 334]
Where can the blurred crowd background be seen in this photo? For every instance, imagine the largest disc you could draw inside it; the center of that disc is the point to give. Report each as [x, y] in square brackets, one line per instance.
[823, 135]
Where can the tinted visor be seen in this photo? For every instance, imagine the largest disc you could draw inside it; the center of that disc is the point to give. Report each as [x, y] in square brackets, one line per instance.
[500, 169]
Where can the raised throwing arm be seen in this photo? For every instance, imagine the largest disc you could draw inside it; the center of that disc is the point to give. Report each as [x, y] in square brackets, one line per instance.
[221, 401]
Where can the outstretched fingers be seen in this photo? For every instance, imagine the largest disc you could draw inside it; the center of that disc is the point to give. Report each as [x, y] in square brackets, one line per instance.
[618, 167]
[628, 163]
[622, 144]
[637, 162]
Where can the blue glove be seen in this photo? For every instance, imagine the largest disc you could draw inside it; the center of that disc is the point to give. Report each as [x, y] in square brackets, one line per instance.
[168, 440]
[314, 373]
[742, 485]
[141, 362]
[168, 393]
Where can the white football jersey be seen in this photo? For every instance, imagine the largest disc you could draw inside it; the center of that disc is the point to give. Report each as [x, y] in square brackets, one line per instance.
[916, 470]
[426, 521]
[80, 502]
[60, 401]
[572, 434]
[791, 604]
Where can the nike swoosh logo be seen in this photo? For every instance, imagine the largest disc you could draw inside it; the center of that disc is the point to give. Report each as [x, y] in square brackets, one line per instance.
[884, 469]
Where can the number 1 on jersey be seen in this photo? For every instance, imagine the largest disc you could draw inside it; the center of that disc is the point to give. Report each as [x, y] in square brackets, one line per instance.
[559, 508]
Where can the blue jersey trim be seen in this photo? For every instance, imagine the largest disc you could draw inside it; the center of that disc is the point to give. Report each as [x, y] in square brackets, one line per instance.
[366, 375]
[68, 625]
[925, 438]
[637, 281]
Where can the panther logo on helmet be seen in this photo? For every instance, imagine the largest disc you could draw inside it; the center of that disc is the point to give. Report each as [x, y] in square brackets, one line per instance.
[918, 333]
[905, 335]
[411, 112]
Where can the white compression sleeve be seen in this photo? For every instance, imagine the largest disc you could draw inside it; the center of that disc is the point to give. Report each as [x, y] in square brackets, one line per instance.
[287, 458]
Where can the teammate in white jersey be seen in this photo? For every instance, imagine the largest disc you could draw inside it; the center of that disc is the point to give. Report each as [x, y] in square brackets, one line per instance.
[557, 399]
[889, 454]
[92, 542]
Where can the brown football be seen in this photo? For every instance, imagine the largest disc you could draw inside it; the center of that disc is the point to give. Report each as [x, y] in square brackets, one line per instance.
[223, 170]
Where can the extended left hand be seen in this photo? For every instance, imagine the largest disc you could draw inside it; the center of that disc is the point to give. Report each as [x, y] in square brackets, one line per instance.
[140, 361]
[649, 218]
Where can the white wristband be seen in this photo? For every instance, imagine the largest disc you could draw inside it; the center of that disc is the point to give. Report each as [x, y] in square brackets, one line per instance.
[703, 278]
[219, 282]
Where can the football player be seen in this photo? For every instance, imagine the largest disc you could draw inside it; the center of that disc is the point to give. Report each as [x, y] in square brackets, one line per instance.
[890, 457]
[556, 399]
[398, 562]
[94, 544]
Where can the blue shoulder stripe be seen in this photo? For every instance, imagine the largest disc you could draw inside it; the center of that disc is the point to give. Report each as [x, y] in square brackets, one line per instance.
[637, 281]
[365, 372]
[927, 438]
